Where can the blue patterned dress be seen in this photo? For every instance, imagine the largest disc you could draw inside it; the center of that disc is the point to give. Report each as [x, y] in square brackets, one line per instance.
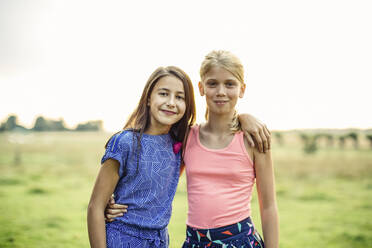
[147, 184]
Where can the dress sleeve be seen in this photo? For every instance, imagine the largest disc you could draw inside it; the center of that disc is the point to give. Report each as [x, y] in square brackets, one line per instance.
[118, 149]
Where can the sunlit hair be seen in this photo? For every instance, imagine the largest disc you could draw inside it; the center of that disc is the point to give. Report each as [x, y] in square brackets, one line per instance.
[232, 64]
[139, 120]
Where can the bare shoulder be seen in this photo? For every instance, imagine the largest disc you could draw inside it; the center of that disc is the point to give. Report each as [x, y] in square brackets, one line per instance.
[249, 149]
[255, 154]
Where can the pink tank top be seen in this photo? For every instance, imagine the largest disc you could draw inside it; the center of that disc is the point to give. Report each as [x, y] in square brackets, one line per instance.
[219, 182]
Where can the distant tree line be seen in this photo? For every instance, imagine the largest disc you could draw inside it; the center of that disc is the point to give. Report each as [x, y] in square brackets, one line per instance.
[312, 141]
[42, 124]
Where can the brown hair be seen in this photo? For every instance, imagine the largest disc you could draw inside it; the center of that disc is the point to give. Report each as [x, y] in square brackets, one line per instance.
[229, 62]
[139, 120]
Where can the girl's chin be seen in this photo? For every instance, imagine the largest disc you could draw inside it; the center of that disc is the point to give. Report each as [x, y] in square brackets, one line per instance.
[221, 112]
[169, 121]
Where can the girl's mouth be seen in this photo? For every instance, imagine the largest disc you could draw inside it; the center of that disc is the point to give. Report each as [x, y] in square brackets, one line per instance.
[220, 102]
[168, 112]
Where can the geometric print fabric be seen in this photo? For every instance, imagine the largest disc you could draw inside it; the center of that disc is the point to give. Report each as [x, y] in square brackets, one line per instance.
[149, 189]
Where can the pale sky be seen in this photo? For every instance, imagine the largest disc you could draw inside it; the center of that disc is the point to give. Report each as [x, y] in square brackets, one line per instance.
[308, 63]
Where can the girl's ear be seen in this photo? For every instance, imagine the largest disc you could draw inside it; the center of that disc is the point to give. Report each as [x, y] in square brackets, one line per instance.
[148, 101]
[201, 88]
[242, 90]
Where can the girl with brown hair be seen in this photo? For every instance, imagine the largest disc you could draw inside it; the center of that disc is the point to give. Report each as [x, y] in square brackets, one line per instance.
[141, 165]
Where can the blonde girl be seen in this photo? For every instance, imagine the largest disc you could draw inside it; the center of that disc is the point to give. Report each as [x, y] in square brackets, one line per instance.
[221, 168]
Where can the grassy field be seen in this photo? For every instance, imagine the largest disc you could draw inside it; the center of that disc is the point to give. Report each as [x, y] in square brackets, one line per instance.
[324, 199]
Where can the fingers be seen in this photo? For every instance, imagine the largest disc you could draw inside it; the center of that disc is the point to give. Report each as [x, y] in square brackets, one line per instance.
[264, 141]
[257, 137]
[112, 200]
[117, 206]
[267, 130]
[113, 216]
[261, 134]
[113, 211]
[109, 220]
[268, 137]
[249, 139]
[263, 138]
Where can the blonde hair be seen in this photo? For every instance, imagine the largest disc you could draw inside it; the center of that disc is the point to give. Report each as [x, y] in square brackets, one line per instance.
[232, 64]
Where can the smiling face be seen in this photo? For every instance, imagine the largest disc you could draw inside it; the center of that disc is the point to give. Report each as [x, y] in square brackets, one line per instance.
[221, 90]
[167, 104]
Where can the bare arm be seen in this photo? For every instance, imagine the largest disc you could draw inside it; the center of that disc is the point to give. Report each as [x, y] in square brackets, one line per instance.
[106, 181]
[267, 199]
[254, 130]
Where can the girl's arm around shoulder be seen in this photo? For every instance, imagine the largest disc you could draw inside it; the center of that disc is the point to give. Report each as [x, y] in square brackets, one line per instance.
[105, 184]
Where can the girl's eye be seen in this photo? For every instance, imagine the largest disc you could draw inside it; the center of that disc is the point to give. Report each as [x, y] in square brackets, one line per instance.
[230, 84]
[163, 93]
[180, 97]
[211, 84]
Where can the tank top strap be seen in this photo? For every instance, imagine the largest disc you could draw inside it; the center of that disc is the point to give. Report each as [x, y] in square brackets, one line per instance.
[237, 141]
[191, 137]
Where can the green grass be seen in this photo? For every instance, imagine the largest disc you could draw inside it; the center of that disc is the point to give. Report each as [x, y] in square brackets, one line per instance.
[324, 199]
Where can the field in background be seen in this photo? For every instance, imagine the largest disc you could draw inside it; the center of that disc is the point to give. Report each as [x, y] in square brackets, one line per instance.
[324, 198]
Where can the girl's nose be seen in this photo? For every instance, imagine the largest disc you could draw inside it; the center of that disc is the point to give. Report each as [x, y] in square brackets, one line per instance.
[221, 91]
[171, 102]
